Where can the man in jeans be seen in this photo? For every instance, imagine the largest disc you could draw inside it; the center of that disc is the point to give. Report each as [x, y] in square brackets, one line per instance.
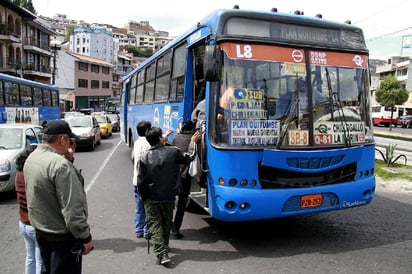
[57, 202]
[141, 146]
[157, 182]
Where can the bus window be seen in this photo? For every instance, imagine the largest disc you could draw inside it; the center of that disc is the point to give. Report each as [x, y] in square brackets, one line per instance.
[55, 98]
[11, 91]
[150, 82]
[162, 79]
[140, 87]
[47, 100]
[26, 96]
[178, 73]
[132, 91]
[37, 96]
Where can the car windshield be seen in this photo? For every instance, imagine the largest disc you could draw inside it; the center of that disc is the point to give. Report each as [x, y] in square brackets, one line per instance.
[114, 117]
[101, 119]
[80, 121]
[10, 138]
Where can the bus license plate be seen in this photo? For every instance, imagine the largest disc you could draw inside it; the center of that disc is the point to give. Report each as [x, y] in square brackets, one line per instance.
[310, 200]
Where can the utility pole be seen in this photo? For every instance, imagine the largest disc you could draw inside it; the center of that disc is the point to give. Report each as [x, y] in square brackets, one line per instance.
[55, 47]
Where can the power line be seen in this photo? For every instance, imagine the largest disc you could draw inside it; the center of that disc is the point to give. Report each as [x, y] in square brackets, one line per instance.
[388, 34]
[380, 12]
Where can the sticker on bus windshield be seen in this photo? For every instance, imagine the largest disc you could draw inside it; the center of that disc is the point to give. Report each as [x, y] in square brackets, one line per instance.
[254, 132]
[328, 133]
[325, 58]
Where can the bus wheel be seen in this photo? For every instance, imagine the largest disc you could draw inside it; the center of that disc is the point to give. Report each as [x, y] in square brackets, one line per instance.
[132, 150]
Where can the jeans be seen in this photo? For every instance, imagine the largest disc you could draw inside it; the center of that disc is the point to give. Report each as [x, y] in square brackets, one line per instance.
[140, 216]
[60, 256]
[33, 259]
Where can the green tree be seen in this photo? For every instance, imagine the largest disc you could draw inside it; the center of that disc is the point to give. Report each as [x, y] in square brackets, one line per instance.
[69, 32]
[27, 4]
[138, 52]
[391, 93]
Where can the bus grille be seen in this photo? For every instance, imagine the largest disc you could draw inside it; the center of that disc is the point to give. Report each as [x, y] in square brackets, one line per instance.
[314, 163]
[275, 178]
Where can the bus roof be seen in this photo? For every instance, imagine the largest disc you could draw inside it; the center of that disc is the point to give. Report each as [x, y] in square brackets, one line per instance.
[27, 82]
[280, 28]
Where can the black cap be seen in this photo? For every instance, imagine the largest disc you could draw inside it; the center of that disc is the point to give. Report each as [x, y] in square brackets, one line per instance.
[57, 127]
[188, 126]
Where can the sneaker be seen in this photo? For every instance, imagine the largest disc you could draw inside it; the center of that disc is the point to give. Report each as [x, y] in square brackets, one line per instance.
[177, 235]
[164, 258]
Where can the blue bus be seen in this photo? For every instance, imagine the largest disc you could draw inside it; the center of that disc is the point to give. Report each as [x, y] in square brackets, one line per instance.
[25, 101]
[287, 127]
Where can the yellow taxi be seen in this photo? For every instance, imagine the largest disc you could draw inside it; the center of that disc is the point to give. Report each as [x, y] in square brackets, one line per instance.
[105, 124]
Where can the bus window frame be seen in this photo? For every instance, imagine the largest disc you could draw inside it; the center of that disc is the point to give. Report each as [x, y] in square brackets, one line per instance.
[177, 79]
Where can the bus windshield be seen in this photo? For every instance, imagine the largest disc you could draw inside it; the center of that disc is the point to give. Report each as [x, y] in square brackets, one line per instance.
[290, 97]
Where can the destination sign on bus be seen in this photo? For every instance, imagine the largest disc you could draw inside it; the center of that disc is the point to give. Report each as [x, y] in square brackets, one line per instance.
[248, 119]
[327, 133]
[254, 132]
[333, 36]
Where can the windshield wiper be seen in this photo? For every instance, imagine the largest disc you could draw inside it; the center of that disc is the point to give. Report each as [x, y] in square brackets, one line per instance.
[292, 115]
[335, 101]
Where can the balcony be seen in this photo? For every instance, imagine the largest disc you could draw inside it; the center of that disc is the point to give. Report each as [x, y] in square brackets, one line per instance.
[36, 45]
[8, 32]
[16, 66]
[10, 64]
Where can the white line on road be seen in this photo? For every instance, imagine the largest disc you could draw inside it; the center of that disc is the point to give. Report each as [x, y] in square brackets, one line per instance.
[93, 180]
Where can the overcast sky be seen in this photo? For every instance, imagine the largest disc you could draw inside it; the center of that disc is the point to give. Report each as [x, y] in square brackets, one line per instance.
[377, 18]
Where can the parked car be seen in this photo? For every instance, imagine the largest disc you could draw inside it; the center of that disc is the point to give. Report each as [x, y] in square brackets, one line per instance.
[105, 124]
[406, 121]
[115, 118]
[88, 130]
[86, 111]
[68, 114]
[14, 139]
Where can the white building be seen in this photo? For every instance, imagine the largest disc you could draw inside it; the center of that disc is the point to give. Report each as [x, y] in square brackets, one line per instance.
[96, 43]
[399, 67]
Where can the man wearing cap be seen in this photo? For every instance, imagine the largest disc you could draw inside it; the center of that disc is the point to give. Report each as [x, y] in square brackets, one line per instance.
[57, 202]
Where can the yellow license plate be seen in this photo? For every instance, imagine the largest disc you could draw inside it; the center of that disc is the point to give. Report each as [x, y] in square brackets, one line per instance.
[310, 200]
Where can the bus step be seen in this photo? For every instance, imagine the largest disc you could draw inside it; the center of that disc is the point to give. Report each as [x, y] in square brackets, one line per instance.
[199, 198]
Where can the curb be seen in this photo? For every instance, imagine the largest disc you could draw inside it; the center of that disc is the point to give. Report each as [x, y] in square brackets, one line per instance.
[393, 135]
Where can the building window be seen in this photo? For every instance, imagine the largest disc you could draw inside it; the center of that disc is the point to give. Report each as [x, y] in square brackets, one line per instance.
[83, 83]
[105, 84]
[83, 66]
[95, 68]
[105, 70]
[94, 84]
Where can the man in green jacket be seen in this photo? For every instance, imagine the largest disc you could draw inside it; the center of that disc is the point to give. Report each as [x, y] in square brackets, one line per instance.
[57, 202]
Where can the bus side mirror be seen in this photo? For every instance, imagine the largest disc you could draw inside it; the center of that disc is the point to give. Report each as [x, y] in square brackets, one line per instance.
[213, 63]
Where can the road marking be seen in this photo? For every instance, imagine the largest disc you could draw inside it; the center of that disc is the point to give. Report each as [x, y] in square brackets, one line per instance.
[93, 180]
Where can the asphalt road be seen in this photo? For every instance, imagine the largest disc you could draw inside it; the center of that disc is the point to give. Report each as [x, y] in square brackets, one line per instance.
[376, 238]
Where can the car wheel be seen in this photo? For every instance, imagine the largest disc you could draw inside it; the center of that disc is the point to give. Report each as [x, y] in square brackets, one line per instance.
[93, 146]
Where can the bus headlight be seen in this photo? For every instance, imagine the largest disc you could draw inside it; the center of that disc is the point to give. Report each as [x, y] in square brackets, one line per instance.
[243, 205]
[230, 204]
